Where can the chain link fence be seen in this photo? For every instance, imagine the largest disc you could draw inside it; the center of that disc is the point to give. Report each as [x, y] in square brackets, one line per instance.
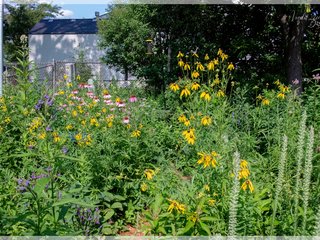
[55, 73]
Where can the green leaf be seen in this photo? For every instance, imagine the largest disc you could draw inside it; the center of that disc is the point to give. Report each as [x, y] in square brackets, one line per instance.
[208, 219]
[117, 205]
[72, 158]
[205, 227]
[109, 213]
[73, 201]
[41, 185]
[188, 226]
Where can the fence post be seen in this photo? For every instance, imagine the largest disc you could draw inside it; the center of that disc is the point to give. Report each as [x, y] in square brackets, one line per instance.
[53, 74]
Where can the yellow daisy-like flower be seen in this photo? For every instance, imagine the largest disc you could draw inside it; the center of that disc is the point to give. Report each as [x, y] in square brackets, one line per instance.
[186, 66]
[94, 122]
[195, 74]
[230, 67]
[220, 52]
[265, 101]
[182, 118]
[136, 133]
[281, 95]
[195, 55]
[206, 120]
[174, 87]
[224, 56]
[7, 120]
[187, 123]
[180, 55]
[180, 63]
[78, 136]
[211, 202]
[206, 57]
[42, 135]
[69, 127]
[206, 187]
[195, 86]
[185, 92]
[220, 93]
[144, 187]
[284, 88]
[244, 173]
[175, 205]
[206, 96]
[243, 163]
[200, 67]
[216, 81]
[189, 135]
[277, 82]
[74, 113]
[149, 173]
[210, 66]
[247, 184]
[78, 77]
[208, 159]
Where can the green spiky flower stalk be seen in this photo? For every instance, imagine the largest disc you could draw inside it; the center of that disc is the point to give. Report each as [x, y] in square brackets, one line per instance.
[307, 177]
[280, 178]
[301, 137]
[234, 196]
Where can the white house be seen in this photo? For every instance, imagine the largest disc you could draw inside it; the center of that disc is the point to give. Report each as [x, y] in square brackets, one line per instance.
[54, 43]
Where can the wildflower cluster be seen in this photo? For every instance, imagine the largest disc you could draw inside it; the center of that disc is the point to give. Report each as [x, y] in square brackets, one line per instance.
[244, 174]
[175, 205]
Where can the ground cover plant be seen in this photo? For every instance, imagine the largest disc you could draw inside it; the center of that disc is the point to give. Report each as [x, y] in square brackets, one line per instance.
[92, 160]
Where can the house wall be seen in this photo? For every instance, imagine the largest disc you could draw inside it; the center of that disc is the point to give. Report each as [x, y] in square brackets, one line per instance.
[44, 48]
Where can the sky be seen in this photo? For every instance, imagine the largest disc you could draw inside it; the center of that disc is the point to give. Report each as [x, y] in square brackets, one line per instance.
[81, 10]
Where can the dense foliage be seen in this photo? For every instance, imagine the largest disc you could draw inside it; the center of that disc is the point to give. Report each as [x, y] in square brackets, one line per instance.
[92, 160]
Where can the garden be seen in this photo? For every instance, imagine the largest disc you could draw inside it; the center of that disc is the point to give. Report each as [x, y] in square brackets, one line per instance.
[209, 156]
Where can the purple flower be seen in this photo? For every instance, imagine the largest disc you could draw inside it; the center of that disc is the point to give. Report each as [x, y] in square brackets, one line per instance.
[48, 128]
[64, 150]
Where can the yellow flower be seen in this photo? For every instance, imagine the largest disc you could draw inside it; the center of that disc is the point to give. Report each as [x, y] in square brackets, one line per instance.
[42, 135]
[223, 56]
[74, 113]
[195, 86]
[182, 118]
[243, 164]
[69, 84]
[277, 82]
[193, 217]
[265, 101]
[65, 76]
[189, 135]
[144, 187]
[207, 187]
[230, 67]
[7, 120]
[207, 160]
[211, 202]
[186, 66]
[187, 123]
[69, 127]
[210, 66]
[284, 88]
[206, 96]
[206, 57]
[78, 136]
[175, 205]
[180, 63]
[195, 74]
[195, 55]
[180, 55]
[78, 77]
[88, 140]
[247, 184]
[83, 122]
[94, 122]
[136, 133]
[220, 52]
[206, 120]
[281, 95]
[244, 173]
[149, 173]
[174, 87]
[220, 93]
[216, 81]
[200, 67]
[185, 92]
[216, 61]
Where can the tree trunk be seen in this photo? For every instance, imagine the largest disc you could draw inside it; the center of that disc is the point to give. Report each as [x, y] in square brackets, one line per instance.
[294, 32]
[294, 55]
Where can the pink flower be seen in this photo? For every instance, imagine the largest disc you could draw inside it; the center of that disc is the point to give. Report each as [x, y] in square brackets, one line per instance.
[106, 96]
[108, 102]
[126, 120]
[75, 92]
[90, 94]
[133, 99]
[120, 104]
[88, 86]
[96, 99]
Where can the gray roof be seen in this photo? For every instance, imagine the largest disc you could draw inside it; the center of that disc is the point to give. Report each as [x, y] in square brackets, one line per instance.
[65, 26]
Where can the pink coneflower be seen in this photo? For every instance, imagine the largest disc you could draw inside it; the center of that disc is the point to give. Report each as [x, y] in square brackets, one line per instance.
[108, 102]
[126, 120]
[81, 85]
[88, 86]
[106, 96]
[90, 94]
[75, 92]
[96, 99]
[133, 99]
[120, 104]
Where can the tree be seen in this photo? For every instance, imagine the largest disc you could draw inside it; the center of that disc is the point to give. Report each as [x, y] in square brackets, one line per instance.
[123, 37]
[19, 20]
